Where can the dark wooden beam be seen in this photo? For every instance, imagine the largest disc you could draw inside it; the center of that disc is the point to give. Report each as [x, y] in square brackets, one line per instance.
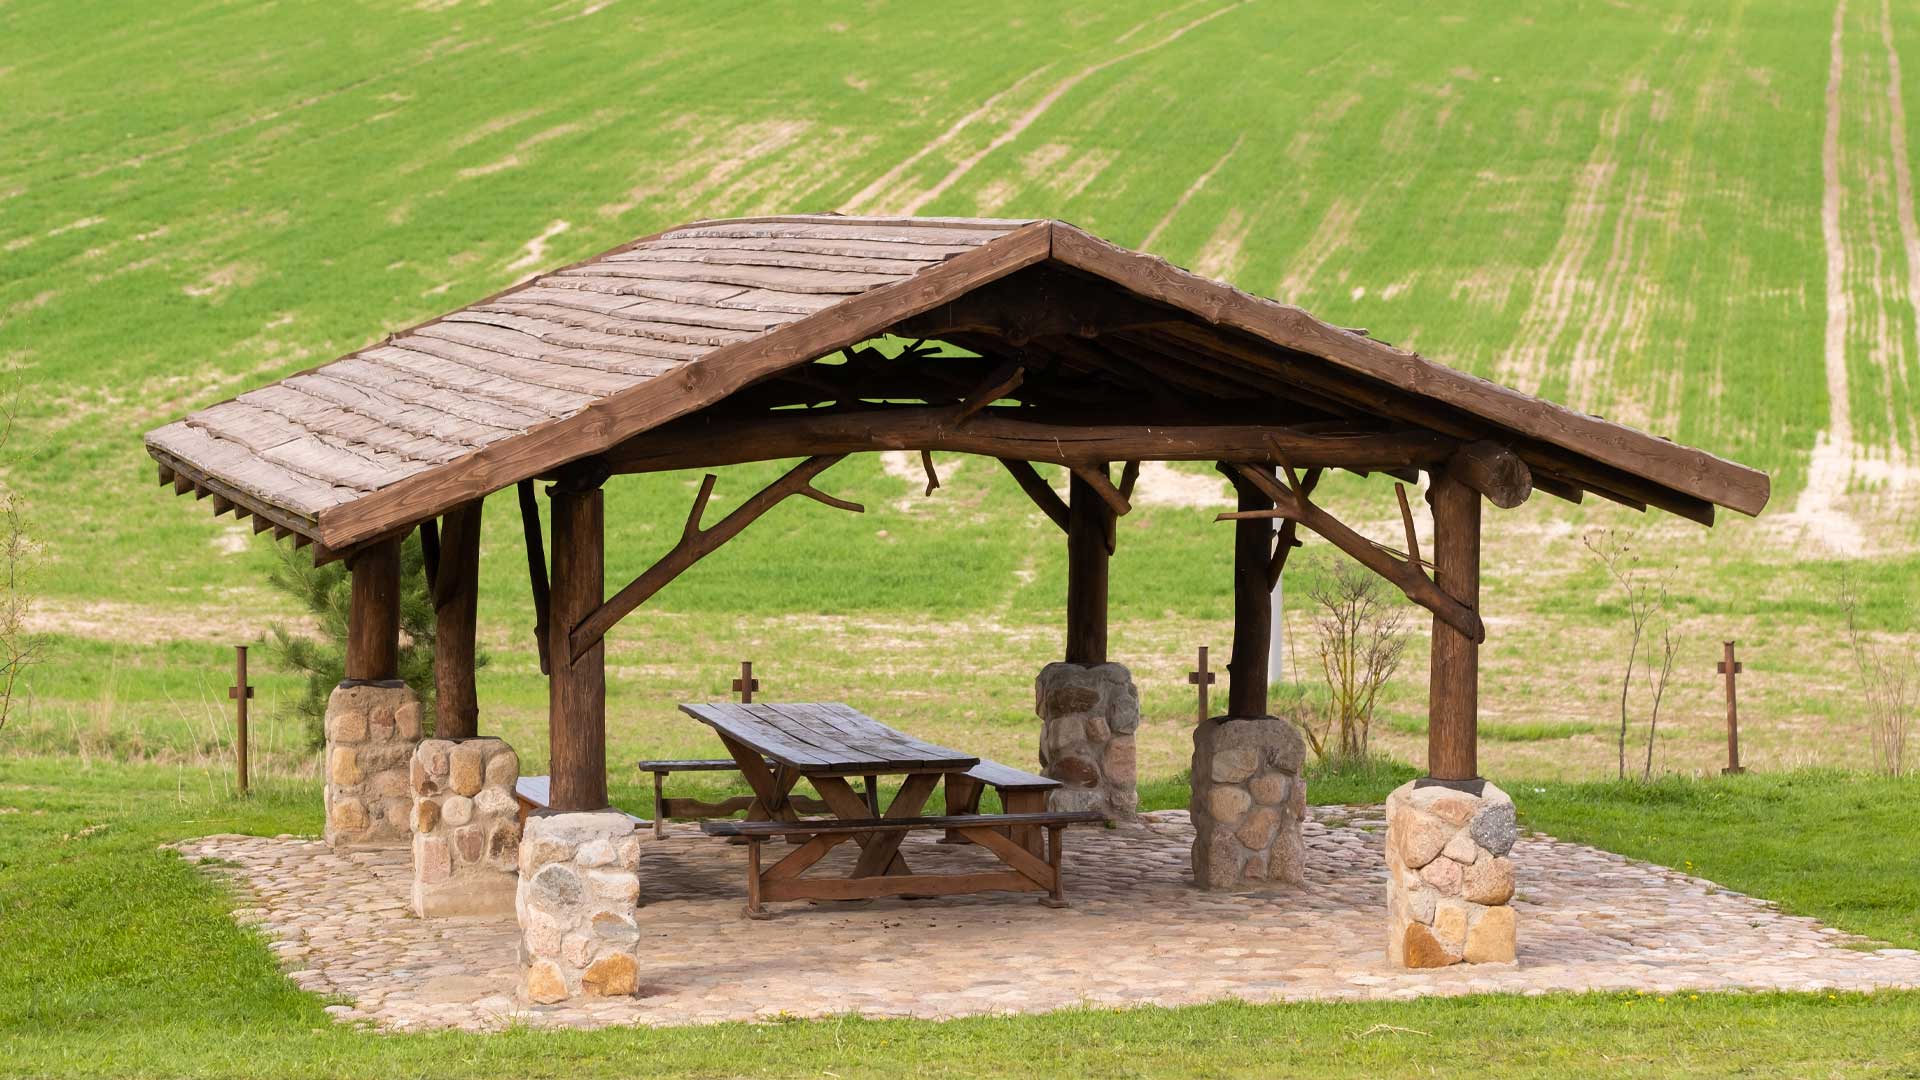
[1252, 596]
[772, 436]
[696, 543]
[456, 597]
[1453, 691]
[373, 616]
[577, 686]
[536, 569]
[1494, 471]
[1087, 555]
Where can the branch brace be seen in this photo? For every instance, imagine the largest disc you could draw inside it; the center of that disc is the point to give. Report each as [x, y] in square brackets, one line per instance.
[1291, 504]
[1037, 489]
[1288, 536]
[536, 570]
[697, 543]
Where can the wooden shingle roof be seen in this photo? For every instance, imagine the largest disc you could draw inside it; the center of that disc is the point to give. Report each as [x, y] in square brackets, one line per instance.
[569, 363]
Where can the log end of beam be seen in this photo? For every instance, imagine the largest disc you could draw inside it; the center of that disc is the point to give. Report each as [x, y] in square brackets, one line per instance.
[1495, 472]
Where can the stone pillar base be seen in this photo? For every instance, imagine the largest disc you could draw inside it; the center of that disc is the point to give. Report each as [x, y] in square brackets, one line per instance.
[579, 885]
[466, 827]
[1248, 803]
[371, 730]
[1449, 879]
[1088, 716]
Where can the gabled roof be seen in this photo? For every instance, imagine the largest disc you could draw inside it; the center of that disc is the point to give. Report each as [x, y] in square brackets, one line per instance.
[569, 363]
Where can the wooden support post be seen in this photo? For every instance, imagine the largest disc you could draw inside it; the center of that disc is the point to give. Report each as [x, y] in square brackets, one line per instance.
[1731, 668]
[240, 692]
[456, 594]
[1087, 557]
[577, 687]
[1201, 678]
[1252, 600]
[1453, 691]
[373, 620]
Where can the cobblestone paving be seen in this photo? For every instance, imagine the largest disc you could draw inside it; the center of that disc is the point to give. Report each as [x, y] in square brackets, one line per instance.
[1138, 933]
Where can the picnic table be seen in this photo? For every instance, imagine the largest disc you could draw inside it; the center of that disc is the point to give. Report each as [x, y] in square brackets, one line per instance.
[777, 745]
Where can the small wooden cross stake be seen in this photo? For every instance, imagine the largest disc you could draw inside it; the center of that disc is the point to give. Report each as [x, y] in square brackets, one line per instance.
[746, 684]
[240, 693]
[1731, 668]
[1202, 679]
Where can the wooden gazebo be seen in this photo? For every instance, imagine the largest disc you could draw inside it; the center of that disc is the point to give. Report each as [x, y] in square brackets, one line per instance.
[754, 339]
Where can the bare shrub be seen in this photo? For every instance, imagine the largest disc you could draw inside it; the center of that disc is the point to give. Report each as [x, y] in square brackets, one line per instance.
[1887, 677]
[20, 648]
[1649, 628]
[1360, 633]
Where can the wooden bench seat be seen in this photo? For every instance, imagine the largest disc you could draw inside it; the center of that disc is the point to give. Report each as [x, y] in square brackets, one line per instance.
[664, 807]
[1020, 792]
[534, 793]
[1025, 870]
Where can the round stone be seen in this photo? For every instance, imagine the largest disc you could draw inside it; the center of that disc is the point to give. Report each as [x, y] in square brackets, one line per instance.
[611, 976]
[557, 886]
[545, 984]
[1494, 827]
[458, 810]
[1269, 788]
[1226, 802]
[1233, 766]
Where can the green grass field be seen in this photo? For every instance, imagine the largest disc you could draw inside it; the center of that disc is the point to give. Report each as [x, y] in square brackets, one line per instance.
[199, 199]
[1692, 217]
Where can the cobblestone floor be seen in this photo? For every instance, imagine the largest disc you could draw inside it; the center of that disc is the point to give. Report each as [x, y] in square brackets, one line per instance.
[1138, 933]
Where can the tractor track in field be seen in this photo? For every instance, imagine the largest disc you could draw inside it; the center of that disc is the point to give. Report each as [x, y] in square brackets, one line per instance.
[1837, 457]
[1018, 126]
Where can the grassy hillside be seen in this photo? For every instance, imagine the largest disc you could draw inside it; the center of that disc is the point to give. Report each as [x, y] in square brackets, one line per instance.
[1679, 218]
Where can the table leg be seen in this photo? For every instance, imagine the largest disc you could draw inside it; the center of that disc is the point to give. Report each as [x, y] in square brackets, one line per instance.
[1057, 896]
[963, 797]
[879, 856]
[847, 805]
[1026, 802]
[754, 909]
[659, 806]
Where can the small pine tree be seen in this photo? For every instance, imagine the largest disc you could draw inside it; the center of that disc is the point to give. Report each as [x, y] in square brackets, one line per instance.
[327, 592]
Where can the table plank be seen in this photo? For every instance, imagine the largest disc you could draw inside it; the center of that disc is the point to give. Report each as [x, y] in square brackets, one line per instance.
[826, 738]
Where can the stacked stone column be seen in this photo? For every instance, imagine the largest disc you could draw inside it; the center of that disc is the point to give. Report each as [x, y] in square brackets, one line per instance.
[1248, 803]
[371, 729]
[1088, 716]
[1449, 878]
[466, 827]
[579, 886]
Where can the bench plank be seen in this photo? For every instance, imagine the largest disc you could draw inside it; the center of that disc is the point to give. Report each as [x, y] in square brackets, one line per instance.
[534, 793]
[955, 821]
[1007, 778]
[687, 765]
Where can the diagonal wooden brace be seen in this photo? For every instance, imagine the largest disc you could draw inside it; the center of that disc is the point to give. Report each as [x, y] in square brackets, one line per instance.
[1291, 505]
[697, 543]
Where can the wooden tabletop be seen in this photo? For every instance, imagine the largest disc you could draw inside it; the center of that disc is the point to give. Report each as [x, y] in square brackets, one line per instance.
[826, 738]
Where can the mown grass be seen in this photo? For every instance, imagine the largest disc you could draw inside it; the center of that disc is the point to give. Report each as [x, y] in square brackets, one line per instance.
[118, 958]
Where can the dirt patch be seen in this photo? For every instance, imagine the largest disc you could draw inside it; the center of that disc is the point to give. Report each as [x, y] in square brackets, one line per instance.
[535, 252]
[1161, 484]
[137, 624]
